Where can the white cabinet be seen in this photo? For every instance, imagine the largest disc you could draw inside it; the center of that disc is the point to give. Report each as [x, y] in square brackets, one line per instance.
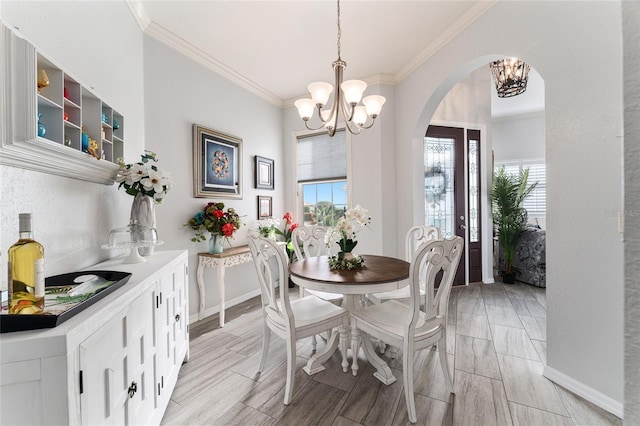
[51, 128]
[116, 363]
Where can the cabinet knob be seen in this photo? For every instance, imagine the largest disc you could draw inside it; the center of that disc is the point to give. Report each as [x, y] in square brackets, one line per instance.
[133, 389]
[177, 317]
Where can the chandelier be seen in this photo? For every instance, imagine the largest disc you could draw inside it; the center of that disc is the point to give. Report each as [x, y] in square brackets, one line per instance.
[510, 76]
[346, 98]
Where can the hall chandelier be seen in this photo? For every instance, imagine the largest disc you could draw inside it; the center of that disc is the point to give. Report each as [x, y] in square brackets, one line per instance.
[346, 97]
[510, 76]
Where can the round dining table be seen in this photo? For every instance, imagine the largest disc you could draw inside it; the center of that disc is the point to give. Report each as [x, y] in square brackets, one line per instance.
[378, 274]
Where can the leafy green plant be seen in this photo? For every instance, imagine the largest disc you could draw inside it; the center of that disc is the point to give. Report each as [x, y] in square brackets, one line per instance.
[509, 217]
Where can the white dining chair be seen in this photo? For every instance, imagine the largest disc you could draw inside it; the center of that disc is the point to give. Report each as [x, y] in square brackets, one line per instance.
[416, 235]
[423, 322]
[308, 241]
[290, 319]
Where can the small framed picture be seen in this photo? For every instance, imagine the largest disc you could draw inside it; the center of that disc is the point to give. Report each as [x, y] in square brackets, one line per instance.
[264, 207]
[217, 164]
[264, 172]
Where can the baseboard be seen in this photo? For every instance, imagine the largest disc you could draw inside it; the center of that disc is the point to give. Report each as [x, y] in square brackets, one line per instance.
[598, 398]
[488, 281]
[228, 303]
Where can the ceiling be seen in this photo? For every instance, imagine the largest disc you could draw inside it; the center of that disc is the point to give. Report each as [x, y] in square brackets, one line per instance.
[276, 48]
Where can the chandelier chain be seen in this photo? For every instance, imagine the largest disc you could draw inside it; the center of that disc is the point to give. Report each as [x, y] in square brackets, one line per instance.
[339, 30]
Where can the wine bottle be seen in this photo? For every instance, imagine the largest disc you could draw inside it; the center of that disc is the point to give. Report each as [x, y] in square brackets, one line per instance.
[26, 271]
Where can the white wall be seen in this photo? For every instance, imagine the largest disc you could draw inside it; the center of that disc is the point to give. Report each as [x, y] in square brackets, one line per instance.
[631, 41]
[73, 218]
[576, 47]
[518, 137]
[178, 96]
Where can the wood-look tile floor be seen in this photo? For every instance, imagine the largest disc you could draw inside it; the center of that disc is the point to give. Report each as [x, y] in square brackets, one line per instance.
[496, 348]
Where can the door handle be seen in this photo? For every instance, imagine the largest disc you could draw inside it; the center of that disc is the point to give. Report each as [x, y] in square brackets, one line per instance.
[463, 226]
[132, 389]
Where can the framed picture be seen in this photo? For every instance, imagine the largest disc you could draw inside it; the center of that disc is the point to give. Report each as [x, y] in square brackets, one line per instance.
[217, 164]
[264, 172]
[264, 207]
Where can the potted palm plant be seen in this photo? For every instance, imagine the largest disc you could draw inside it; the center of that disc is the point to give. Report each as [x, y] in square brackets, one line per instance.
[509, 217]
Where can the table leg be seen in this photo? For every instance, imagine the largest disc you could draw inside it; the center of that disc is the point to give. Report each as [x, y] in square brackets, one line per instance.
[220, 269]
[200, 281]
[383, 373]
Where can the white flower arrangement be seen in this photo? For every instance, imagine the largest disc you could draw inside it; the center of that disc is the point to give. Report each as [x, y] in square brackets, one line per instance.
[344, 234]
[144, 177]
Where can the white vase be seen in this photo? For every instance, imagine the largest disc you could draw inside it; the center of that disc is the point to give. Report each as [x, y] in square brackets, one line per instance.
[143, 213]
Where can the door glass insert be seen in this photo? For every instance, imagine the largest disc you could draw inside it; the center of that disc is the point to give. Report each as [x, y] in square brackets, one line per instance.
[474, 193]
[439, 160]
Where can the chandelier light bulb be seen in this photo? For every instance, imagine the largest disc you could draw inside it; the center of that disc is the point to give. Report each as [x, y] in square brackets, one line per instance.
[305, 108]
[353, 90]
[360, 115]
[373, 104]
[320, 92]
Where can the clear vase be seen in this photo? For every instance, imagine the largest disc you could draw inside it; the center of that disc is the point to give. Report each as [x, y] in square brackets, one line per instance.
[143, 214]
[216, 243]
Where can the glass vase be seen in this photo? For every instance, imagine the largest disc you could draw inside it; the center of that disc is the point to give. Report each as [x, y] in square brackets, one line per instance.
[143, 214]
[216, 243]
[42, 129]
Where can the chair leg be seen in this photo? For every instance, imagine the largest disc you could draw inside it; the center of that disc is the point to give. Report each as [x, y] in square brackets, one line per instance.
[407, 372]
[444, 363]
[266, 340]
[344, 341]
[291, 369]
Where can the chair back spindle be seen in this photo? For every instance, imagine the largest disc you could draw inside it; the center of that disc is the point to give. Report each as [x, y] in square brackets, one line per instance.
[308, 241]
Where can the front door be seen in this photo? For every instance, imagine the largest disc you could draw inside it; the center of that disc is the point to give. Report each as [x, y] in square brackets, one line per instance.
[452, 203]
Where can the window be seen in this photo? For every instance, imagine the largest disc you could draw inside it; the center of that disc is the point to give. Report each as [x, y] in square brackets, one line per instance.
[535, 203]
[322, 177]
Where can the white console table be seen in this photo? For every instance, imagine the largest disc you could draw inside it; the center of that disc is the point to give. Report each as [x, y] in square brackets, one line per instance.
[229, 257]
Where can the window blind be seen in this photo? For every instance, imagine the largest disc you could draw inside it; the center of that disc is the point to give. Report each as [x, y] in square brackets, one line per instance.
[536, 202]
[321, 157]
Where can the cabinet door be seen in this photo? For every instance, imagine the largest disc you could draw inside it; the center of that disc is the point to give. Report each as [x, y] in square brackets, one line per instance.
[105, 376]
[118, 365]
[173, 334]
[142, 358]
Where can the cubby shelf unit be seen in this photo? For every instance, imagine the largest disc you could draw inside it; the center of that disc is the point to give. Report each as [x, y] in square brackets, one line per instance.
[65, 107]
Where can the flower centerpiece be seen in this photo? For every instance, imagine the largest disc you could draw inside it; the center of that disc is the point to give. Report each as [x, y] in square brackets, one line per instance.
[344, 234]
[148, 185]
[219, 223]
[271, 228]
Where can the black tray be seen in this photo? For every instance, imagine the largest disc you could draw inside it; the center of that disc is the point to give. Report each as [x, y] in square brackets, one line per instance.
[9, 323]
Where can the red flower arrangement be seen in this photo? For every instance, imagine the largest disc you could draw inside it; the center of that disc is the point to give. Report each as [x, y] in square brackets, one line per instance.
[214, 219]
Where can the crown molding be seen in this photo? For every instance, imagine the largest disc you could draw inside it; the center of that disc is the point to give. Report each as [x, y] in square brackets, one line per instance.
[478, 9]
[137, 10]
[170, 39]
